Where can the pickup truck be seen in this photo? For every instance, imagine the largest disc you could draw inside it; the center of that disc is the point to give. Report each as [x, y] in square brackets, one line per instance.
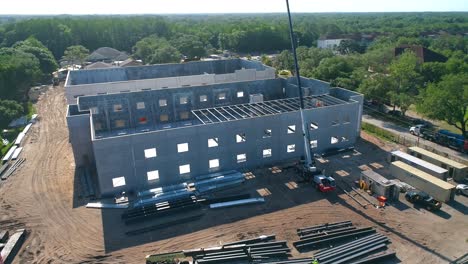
[423, 199]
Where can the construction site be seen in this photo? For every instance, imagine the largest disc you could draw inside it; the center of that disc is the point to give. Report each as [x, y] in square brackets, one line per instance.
[103, 177]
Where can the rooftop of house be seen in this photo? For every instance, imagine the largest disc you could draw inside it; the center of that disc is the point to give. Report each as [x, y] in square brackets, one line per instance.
[107, 54]
[423, 54]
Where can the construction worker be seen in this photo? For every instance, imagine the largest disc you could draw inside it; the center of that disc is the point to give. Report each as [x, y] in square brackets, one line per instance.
[315, 261]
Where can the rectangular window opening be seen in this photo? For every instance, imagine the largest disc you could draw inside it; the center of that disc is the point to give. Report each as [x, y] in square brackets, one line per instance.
[184, 115]
[222, 96]
[214, 163]
[334, 140]
[313, 143]
[142, 120]
[118, 182]
[291, 148]
[213, 142]
[240, 138]
[344, 139]
[292, 129]
[140, 105]
[184, 169]
[162, 102]
[150, 153]
[152, 175]
[163, 118]
[313, 126]
[119, 123]
[183, 100]
[240, 94]
[241, 158]
[203, 98]
[118, 108]
[266, 153]
[267, 133]
[94, 110]
[182, 147]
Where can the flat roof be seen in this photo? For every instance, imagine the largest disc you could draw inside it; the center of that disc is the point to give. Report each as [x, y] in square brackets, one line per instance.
[118, 74]
[419, 162]
[423, 175]
[235, 112]
[438, 157]
[377, 177]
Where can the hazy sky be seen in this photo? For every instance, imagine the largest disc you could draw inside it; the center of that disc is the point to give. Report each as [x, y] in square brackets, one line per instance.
[222, 6]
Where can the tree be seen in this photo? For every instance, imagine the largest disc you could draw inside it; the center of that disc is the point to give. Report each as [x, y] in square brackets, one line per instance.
[266, 60]
[447, 100]
[164, 54]
[189, 45]
[46, 59]
[405, 72]
[18, 71]
[284, 61]
[154, 50]
[9, 110]
[75, 54]
[376, 87]
[348, 46]
[433, 71]
[330, 69]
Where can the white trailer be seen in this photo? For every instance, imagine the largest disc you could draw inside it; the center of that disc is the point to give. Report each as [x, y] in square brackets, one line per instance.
[456, 170]
[439, 189]
[420, 164]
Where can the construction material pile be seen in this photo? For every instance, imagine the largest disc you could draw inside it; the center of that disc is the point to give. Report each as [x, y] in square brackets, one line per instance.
[348, 243]
[7, 171]
[259, 249]
[218, 181]
[161, 204]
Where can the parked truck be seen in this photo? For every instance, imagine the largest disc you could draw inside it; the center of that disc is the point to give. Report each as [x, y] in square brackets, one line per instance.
[442, 137]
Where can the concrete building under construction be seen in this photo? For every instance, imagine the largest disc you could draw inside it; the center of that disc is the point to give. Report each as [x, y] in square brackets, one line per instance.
[150, 126]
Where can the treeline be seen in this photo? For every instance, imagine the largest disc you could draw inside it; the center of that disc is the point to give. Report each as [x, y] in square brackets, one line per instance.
[29, 49]
[242, 33]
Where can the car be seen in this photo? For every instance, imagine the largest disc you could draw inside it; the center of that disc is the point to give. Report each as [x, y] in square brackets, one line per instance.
[423, 199]
[462, 189]
[395, 113]
[417, 129]
[324, 183]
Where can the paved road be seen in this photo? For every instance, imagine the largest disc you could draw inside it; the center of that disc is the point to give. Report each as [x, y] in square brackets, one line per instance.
[404, 132]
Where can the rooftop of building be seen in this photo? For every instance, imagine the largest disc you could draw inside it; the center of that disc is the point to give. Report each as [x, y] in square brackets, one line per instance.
[95, 76]
[422, 53]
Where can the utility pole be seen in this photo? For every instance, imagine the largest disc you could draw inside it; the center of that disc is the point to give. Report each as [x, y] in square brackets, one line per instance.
[305, 131]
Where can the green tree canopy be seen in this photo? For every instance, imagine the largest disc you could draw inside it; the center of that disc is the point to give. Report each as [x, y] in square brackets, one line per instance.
[9, 110]
[18, 71]
[46, 59]
[155, 50]
[76, 54]
[447, 100]
[189, 45]
[284, 61]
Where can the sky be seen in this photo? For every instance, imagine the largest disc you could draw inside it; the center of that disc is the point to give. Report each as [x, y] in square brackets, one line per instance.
[43, 7]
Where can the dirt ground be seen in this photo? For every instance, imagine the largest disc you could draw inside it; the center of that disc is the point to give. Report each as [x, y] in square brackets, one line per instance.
[43, 197]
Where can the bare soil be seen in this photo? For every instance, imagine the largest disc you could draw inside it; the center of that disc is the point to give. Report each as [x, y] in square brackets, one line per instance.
[43, 196]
